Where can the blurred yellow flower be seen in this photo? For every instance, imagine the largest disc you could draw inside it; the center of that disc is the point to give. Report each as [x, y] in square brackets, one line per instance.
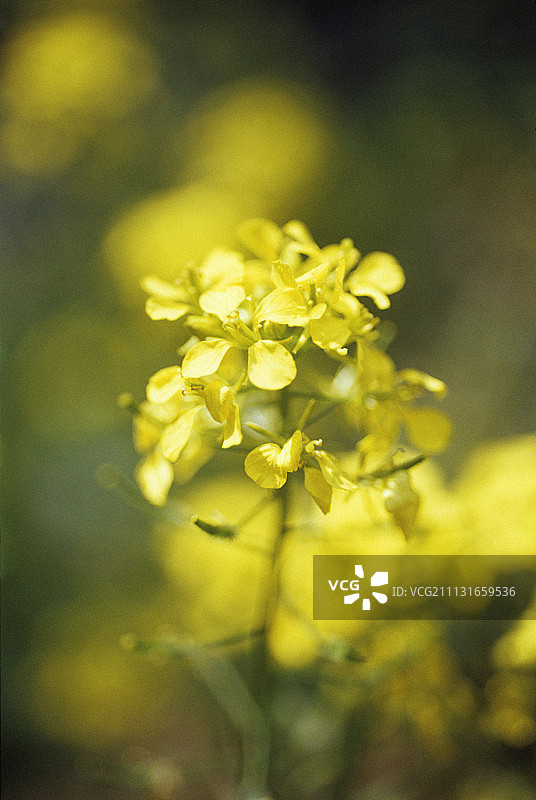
[62, 79]
[154, 476]
[169, 228]
[231, 139]
[383, 404]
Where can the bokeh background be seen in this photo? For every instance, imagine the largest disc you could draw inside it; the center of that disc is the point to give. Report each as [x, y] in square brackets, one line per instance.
[135, 135]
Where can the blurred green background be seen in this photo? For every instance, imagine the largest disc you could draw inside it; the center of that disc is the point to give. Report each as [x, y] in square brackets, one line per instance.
[135, 135]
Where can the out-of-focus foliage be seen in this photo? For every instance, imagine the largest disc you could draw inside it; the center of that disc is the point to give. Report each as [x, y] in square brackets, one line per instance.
[133, 136]
[412, 688]
[253, 148]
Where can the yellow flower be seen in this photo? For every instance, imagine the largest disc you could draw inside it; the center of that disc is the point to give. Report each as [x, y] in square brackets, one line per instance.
[297, 261]
[249, 319]
[382, 404]
[166, 300]
[153, 418]
[215, 287]
[344, 319]
[221, 277]
[309, 284]
[173, 420]
[269, 464]
[168, 385]
[164, 432]
[222, 408]
[269, 363]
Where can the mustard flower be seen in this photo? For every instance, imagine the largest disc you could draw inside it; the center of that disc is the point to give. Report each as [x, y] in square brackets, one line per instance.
[383, 402]
[344, 318]
[269, 363]
[250, 318]
[215, 288]
[165, 424]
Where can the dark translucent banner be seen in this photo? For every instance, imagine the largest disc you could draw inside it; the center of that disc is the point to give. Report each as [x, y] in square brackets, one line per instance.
[424, 587]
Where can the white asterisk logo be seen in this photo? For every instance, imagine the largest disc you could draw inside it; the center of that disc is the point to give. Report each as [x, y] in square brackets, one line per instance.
[378, 579]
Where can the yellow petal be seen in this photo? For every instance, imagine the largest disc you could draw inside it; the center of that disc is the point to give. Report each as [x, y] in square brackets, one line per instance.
[284, 305]
[344, 302]
[317, 275]
[154, 475]
[364, 289]
[343, 254]
[375, 369]
[163, 308]
[175, 436]
[300, 232]
[262, 237]
[218, 400]
[317, 311]
[232, 434]
[318, 488]
[416, 378]
[164, 385]
[221, 268]
[152, 284]
[381, 270]
[332, 471]
[204, 358]
[145, 433]
[401, 500]
[223, 301]
[429, 429]
[270, 365]
[260, 466]
[328, 332]
[290, 455]
[282, 275]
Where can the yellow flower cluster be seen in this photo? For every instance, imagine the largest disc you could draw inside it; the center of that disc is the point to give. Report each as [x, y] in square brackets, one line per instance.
[255, 320]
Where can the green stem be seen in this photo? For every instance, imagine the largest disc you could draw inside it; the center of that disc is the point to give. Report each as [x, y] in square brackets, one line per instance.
[257, 508]
[263, 677]
[227, 686]
[322, 414]
[302, 422]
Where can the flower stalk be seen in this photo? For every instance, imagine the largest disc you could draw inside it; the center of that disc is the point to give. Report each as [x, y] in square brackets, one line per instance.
[284, 322]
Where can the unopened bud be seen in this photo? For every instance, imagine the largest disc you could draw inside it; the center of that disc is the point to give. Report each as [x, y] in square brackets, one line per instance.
[218, 529]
